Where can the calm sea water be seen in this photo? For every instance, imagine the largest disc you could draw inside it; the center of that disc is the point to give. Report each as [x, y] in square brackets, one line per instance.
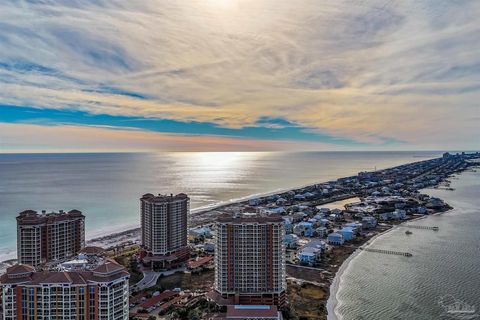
[445, 266]
[106, 187]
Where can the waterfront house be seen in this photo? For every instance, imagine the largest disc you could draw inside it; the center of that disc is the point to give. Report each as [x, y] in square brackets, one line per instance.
[303, 229]
[422, 210]
[335, 239]
[309, 195]
[253, 202]
[309, 256]
[385, 216]
[348, 233]
[299, 197]
[306, 258]
[281, 202]
[369, 222]
[399, 214]
[356, 226]
[435, 203]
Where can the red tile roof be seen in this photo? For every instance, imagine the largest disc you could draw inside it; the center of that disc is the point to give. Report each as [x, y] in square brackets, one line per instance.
[199, 262]
[171, 302]
[93, 250]
[242, 311]
[108, 267]
[23, 274]
[20, 269]
[157, 299]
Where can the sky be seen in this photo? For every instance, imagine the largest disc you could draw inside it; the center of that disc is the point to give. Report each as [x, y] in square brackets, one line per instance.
[239, 75]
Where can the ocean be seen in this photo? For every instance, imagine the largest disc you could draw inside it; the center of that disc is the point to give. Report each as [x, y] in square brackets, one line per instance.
[443, 272]
[106, 187]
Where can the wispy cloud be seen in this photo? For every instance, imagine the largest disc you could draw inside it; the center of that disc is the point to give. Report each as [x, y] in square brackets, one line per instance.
[71, 138]
[367, 70]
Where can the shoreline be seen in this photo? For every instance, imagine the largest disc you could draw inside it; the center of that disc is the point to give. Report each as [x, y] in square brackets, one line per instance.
[199, 216]
[332, 301]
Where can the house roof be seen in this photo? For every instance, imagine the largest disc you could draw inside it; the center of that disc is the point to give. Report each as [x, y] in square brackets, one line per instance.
[20, 269]
[199, 262]
[167, 294]
[108, 267]
[27, 275]
[252, 311]
[93, 250]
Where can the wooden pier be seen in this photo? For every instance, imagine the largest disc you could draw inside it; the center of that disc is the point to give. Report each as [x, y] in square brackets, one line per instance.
[434, 228]
[397, 253]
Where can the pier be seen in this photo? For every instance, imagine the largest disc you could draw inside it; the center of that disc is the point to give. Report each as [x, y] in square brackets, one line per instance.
[434, 228]
[397, 253]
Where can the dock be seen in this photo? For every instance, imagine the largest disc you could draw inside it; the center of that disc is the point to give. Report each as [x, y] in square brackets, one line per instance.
[434, 228]
[398, 253]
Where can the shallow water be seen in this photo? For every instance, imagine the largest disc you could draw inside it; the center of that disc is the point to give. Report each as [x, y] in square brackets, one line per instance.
[445, 265]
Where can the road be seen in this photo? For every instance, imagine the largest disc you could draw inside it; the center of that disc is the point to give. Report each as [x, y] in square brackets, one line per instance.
[150, 278]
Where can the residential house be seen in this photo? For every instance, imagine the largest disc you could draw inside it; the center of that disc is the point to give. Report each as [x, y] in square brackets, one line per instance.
[369, 222]
[321, 232]
[335, 239]
[291, 241]
[348, 233]
[309, 256]
[303, 229]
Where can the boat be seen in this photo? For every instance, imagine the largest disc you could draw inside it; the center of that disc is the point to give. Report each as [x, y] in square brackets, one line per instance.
[408, 232]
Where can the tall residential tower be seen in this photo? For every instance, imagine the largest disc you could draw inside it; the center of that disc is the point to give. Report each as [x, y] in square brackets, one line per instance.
[250, 260]
[164, 229]
[49, 237]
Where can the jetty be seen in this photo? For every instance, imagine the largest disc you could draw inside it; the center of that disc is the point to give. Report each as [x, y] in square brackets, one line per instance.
[398, 253]
[434, 228]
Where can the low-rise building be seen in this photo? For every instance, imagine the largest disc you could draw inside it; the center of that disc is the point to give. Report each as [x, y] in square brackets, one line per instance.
[335, 239]
[369, 222]
[348, 233]
[199, 233]
[309, 256]
[399, 214]
[291, 241]
[304, 229]
[321, 232]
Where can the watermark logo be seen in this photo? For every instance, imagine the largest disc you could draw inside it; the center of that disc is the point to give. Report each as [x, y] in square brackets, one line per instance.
[457, 309]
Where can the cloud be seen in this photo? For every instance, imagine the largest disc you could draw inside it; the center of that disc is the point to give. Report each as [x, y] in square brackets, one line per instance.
[70, 138]
[368, 70]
